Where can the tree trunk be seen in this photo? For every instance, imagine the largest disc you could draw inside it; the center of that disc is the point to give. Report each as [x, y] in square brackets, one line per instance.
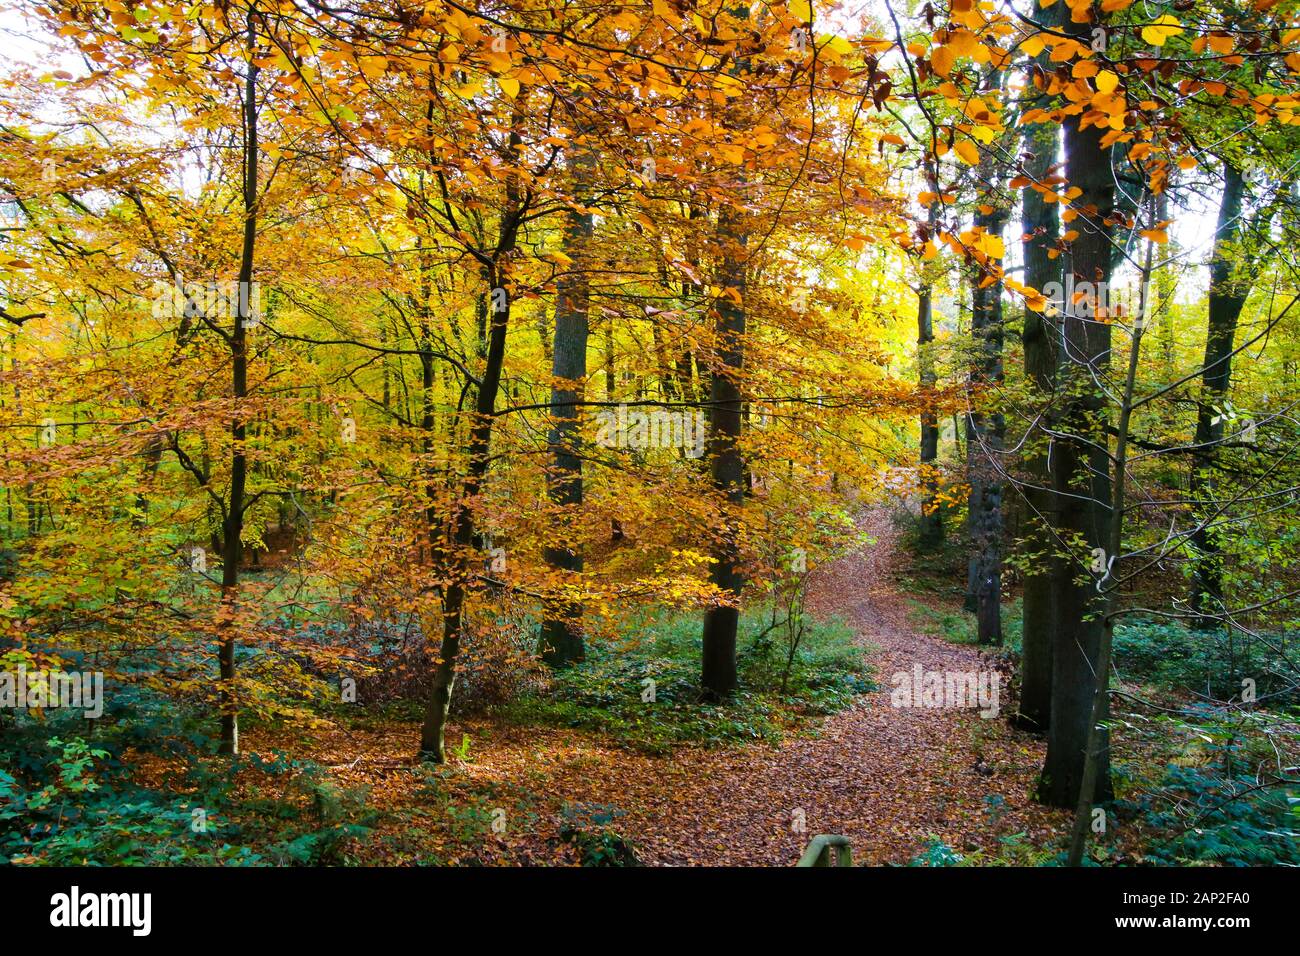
[1081, 468]
[1093, 749]
[562, 640]
[1042, 229]
[233, 525]
[462, 530]
[1227, 298]
[930, 536]
[987, 429]
[727, 465]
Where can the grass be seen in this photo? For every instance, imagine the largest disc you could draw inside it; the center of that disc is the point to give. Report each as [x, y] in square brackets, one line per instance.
[956, 626]
[646, 696]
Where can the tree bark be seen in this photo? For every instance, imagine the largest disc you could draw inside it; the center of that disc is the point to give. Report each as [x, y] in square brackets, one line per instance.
[930, 536]
[1227, 297]
[462, 530]
[562, 639]
[233, 524]
[1081, 468]
[727, 464]
[461, 527]
[987, 428]
[1093, 748]
[1042, 229]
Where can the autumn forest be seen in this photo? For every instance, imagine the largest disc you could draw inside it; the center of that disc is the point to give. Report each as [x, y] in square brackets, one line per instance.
[572, 433]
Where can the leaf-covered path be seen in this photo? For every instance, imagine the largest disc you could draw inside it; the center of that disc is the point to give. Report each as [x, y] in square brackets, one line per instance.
[889, 778]
[886, 777]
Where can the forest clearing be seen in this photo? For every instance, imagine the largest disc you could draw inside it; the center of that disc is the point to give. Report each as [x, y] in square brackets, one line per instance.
[667, 434]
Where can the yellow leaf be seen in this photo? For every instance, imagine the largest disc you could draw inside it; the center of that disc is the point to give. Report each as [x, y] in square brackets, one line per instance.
[839, 45]
[964, 43]
[1106, 81]
[1157, 33]
[943, 60]
[1221, 43]
[373, 66]
[509, 86]
[967, 151]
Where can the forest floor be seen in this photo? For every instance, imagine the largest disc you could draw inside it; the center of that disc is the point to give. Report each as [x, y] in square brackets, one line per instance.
[892, 779]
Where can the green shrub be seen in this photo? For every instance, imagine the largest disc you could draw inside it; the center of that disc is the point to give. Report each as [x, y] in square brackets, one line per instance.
[1210, 663]
[588, 828]
[605, 693]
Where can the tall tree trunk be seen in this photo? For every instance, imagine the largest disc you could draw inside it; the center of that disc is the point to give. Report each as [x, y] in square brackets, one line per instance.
[987, 427]
[461, 528]
[1081, 468]
[233, 525]
[727, 465]
[1227, 298]
[987, 431]
[1093, 750]
[930, 536]
[562, 641]
[1041, 223]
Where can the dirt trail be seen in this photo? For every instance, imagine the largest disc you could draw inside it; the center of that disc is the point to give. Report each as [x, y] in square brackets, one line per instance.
[887, 777]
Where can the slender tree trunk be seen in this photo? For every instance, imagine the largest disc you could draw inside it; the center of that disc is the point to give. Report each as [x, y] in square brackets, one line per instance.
[1081, 468]
[987, 425]
[727, 465]
[1041, 222]
[974, 496]
[930, 536]
[233, 525]
[1227, 298]
[562, 640]
[461, 528]
[1093, 751]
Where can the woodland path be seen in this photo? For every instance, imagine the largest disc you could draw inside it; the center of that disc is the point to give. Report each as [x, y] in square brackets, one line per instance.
[888, 778]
